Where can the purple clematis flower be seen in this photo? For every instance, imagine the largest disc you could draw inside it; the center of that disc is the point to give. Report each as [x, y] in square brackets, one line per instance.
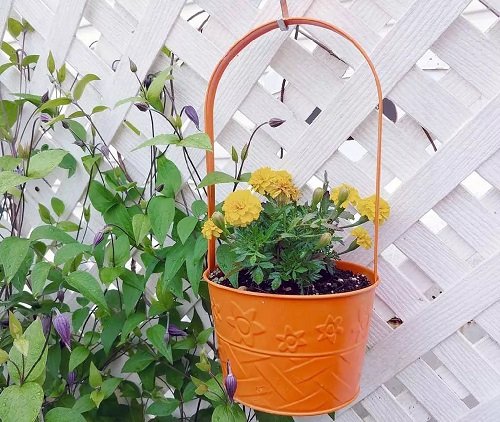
[192, 115]
[230, 383]
[63, 327]
[45, 325]
[71, 379]
[275, 122]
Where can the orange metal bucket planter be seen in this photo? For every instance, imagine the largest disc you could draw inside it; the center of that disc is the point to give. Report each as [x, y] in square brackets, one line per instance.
[294, 355]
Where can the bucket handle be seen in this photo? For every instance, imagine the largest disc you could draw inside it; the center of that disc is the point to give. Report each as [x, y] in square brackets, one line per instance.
[237, 47]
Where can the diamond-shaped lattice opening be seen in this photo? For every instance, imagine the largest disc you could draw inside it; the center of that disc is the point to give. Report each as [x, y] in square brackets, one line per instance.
[412, 406]
[393, 185]
[433, 221]
[360, 410]
[393, 255]
[315, 113]
[452, 382]
[420, 280]
[473, 332]
[271, 81]
[395, 386]
[353, 150]
[480, 15]
[87, 34]
[476, 185]
[433, 65]
[195, 15]
[470, 401]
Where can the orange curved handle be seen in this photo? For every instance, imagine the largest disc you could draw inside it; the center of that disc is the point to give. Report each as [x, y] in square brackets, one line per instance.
[209, 114]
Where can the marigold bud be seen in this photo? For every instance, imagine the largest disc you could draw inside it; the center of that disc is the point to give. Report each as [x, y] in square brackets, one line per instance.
[343, 195]
[218, 219]
[324, 240]
[317, 196]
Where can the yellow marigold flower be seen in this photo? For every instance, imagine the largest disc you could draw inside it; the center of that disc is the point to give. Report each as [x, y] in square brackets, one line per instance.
[283, 188]
[210, 230]
[352, 196]
[366, 207]
[363, 238]
[241, 208]
[261, 180]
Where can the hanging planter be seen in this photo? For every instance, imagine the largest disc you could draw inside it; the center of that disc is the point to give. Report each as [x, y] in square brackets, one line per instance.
[292, 354]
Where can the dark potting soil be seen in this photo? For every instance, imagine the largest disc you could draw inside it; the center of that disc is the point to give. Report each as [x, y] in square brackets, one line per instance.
[340, 281]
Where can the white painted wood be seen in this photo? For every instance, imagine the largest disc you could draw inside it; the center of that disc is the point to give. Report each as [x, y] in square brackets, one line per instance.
[442, 235]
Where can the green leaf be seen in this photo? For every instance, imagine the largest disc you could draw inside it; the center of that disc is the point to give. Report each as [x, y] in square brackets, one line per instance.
[155, 335]
[97, 397]
[131, 323]
[185, 227]
[102, 199]
[10, 180]
[9, 111]
[140, 226]
[70, 251]
[22, 345]
[266, 417]
[133, 287]
[77, 130]
[6, 66]
[78, 356]
[99, 109]
[10, 51]
[199, 208]
[228, 413]
[8, 162]
[203, 337]
[21, 402]
[89, 287]
[39, 275]
[95, 377]
[161, 212]
[63, 414]
[61, 74]
[169, 175]
[138, 362]
[57, 206]
[157, 85]
[44, 162]
[4, 356]
[215, 178]
[31, 59]
[164, 139]
[128, 100]
[45, 214]
[109, 274]
[67, 226]
[111, 329]
[51, 64]
[118, 215]
[50, 233]
[14, 27]
[226, 258]
[197, 140]
[163, 407]
[56, 102]
[132, 127]
[13, 251]
[36, 339]
[109, 386]
[82, 84]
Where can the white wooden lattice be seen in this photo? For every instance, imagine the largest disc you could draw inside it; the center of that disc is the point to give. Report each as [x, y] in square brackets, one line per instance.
[440, 263]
